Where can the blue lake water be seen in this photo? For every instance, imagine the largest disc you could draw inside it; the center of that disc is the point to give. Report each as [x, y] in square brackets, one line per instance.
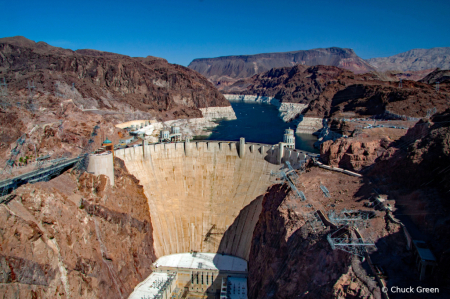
[258, 122]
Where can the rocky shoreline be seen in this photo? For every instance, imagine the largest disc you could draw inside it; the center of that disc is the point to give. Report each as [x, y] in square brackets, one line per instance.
[288, 111]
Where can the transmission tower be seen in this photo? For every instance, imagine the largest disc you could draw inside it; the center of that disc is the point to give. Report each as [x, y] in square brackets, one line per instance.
[81, 166]
[431, 112]
[348, 241]
[400, 84]
[13, 155]
[325, 191]
[41, 161]
[3, 88]
[4, 94]
[57, 93]
[61, 128]
[437, 86]
[349, 217]
[31, 87]
[297, 192]
[291, 171]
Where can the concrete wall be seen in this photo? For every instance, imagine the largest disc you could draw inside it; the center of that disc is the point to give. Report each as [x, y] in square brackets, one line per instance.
[102, 164]
[203, 191]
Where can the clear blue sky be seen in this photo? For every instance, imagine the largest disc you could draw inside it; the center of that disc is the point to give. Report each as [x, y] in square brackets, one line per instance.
[180, 31]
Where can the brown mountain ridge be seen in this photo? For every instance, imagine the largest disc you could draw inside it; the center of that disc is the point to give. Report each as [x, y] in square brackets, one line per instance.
[225, 70]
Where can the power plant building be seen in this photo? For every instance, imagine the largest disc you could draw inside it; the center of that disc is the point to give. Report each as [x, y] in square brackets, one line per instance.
[195, 275]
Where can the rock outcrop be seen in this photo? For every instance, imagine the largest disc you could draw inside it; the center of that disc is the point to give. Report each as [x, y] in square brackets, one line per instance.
[218, 112]
[107, 81]
[414, 60]
[291, 259]
[309, 125]
[411, 75]
[69, 239]
[290, 111]
[441, 76]
[224, 71]
[335, 92]
[351, 153]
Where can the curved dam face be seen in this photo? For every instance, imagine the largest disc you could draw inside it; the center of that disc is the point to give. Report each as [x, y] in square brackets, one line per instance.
[204, 196]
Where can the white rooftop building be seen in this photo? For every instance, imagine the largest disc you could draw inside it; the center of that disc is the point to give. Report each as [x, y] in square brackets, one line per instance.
[204, 261]
[195, 275]
[157, 284]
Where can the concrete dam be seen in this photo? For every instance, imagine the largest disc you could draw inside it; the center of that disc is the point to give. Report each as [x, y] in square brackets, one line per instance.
[205, 196]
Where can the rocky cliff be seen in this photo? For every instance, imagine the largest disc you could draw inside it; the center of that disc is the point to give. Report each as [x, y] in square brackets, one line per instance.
[107, 81]
[414, 60]
[441, 76]
[225, 70]
[60, 130]
[410, 75]
[414, 171]
[70, 238]
[335, 92]
[290, 255]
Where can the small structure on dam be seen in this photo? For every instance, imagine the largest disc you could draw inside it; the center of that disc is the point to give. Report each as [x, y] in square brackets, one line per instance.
[195, 275]
[102, 161]
[175, 136]
[289, 138]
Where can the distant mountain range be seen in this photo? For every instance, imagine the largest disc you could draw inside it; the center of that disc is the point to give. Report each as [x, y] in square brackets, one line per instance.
[415, 64]
[414, 60]
[225, 70]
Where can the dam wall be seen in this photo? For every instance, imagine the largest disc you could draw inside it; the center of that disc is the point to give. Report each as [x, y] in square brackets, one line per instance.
[204, 196]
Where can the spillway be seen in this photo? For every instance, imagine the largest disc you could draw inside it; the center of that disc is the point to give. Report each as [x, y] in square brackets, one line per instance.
[204, 196]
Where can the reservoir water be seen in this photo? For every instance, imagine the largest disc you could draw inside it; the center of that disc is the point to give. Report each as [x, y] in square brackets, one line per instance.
[258, 122]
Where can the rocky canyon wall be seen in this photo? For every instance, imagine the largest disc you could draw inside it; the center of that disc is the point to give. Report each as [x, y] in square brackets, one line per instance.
[107, 81]
[63, 239]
